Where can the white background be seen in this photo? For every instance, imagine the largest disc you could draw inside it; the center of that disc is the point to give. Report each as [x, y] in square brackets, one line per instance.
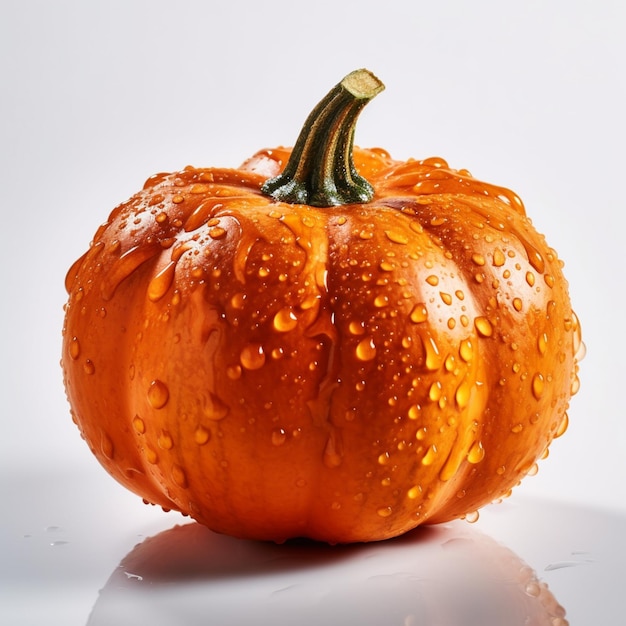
[97, 96]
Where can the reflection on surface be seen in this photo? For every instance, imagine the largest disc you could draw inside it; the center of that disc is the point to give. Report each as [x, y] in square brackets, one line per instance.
[450, 575]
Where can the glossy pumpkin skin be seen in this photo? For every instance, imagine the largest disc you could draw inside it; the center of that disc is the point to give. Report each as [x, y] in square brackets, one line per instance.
[345, 373]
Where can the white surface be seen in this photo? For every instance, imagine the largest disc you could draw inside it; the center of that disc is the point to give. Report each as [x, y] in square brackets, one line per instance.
[69, 561]
[98, 96]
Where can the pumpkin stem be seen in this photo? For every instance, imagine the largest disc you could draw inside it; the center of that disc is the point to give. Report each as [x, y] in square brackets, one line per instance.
[320, 171]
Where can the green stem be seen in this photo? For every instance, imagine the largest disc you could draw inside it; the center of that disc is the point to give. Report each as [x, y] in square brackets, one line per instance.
[320, 171]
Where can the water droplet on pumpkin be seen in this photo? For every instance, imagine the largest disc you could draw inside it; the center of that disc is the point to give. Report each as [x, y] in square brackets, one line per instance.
[385, 511]
[158, 394]
[233, 372]
[381, 301]
[139, 425]
[74, 348]
[463, 394]
[478, 259]
[165, 441]
[161, 282]
[202, 435]
[178, 476]
[562, 427]
[542, 343]
[285, 320]
[88, 367]
[414, 492]
[217, 232]
[106, 445]
[432, 280]
[476, 453]
[433, 358]
[471, 517]
[430, 455]
[333, 453]
[279, 436]
[366, 349]
[383, 459]
[418, 314]
[414, 411]
[538, 385]
[356, 328]
[435, 391]
[498, 258]
[151, 456]
[517, 304]
[483, 326]
[466, 350]
[252, 357]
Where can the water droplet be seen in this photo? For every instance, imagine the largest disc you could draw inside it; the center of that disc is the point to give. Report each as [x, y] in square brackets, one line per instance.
[125, 265]
[178, 476]
[483, 326]
[476, 453]
[433, 358]
[419, 313]
[463, 394]
[356, 328]
[252, 356]
[333, 452]
[233, 372]
[158, 394]
[430, 455]
[534, 257]
[213, 408]
[366, 349]
[420, 435]
[385, 511]
[563, 425]
[479, 259]
[471, 517]
[383, 459]
[466, 350]
[151, 456]
[498, 258]
[396, 237]
[446, 297]
[89, 367]
[414, 411]
[165, 441]
[161, 282]
[414, 492]
[517, 304]
[435, 391]
[538, 385]
[106, 445]
[217, 232]
[285, 320]
[432, 280]
[279, 436]
[202, 435]
[542, 343]
[381, 301]
[74, 348]
[518, 428]
[139, 425]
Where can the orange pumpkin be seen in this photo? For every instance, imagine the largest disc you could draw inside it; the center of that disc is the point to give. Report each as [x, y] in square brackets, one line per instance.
[293, 348]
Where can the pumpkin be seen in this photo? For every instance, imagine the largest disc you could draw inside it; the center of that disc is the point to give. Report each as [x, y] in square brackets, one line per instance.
[324, 343]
